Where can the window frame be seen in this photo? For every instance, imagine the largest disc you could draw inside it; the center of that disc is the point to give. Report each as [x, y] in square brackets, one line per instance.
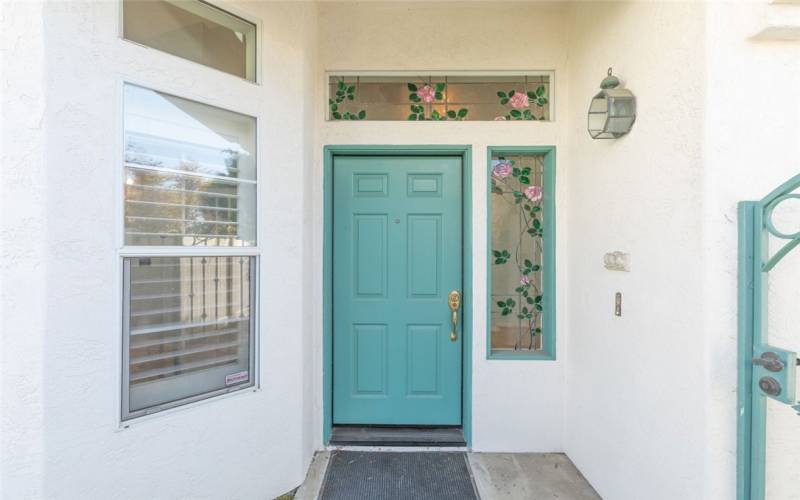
[256, 181]
[126, 251]
[549, 254]
[219, 5]
[127, 414]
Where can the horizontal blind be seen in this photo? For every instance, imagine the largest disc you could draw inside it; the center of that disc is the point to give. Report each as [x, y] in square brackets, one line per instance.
[189, 327]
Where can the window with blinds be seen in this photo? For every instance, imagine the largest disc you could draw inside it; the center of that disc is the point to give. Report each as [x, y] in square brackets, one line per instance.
[189, 303]
[190, 172]
[189, 329]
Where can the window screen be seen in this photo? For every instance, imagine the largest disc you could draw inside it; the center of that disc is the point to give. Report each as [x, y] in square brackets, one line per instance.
[193, 30]
[189, 329]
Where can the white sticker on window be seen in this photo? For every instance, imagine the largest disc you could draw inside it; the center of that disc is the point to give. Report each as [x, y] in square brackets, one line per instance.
[235, 378]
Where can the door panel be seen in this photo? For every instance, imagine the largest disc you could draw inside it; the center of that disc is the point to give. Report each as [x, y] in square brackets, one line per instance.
[423, 359]
[397, 248]
[370, 355]
[424, 251]
[370, 260]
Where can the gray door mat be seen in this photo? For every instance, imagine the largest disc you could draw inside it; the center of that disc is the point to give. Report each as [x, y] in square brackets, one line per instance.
[351, 435]
[367, 475]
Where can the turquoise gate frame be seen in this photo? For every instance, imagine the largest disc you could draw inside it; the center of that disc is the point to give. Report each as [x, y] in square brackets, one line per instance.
[755, 263]
[329, 152]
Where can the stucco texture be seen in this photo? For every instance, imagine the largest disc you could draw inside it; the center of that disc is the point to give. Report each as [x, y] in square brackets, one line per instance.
[64, 64]
[636, 398]
[642, 402]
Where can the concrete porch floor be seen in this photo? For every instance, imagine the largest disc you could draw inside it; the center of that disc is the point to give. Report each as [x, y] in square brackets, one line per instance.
[498, 476]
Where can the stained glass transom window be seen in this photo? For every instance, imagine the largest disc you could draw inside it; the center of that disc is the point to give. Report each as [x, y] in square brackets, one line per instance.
[523, 97]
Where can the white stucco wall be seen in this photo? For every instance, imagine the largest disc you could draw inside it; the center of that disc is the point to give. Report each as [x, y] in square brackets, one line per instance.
[517, 405]
[63, 72]
[645, 389]
[746, 156]
[22, 249]
[636, 407]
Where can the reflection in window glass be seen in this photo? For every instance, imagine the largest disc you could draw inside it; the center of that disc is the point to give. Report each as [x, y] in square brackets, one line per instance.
[190, 172]
[189, 329]
[517, 253]
[439, 98]
[193, 30]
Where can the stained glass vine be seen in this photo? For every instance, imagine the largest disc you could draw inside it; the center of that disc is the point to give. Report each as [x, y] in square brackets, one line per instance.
[517, 251]
[439, 98]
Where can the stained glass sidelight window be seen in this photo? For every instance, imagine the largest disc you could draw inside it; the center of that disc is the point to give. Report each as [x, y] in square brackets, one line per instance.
[506, 97]
[519, 197]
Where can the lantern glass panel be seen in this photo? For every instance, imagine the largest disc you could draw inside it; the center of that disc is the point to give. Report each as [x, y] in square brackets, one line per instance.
[597, 122]
[597, 115]
[619, 125]
[599, 104]
[621, 106]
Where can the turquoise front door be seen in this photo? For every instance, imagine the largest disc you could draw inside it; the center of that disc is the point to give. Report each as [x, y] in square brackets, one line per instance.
[397, 244]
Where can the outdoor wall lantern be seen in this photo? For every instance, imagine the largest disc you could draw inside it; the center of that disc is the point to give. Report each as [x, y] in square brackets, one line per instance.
[612, 111]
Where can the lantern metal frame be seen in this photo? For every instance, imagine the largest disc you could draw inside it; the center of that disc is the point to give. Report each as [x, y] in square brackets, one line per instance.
[612, 111]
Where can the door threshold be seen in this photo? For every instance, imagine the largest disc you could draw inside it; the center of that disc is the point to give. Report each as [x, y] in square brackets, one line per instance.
[383, 436]
[400, 449]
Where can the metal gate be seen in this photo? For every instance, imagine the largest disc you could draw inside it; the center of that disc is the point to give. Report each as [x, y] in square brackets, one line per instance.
[766, 371]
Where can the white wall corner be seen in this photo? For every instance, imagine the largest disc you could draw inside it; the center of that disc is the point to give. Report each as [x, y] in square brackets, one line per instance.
[780, 21]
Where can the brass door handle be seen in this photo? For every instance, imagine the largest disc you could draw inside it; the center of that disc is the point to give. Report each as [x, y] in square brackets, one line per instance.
[454, 301]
